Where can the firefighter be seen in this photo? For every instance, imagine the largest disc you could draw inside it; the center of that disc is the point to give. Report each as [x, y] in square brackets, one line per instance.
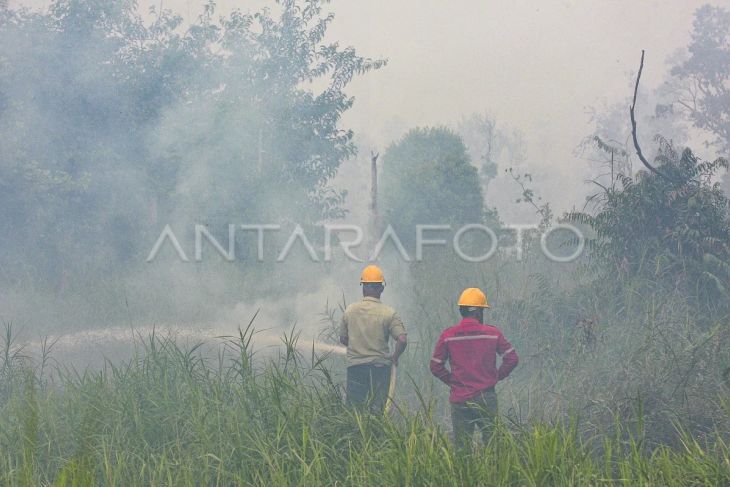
[365, 330]
[471, 348]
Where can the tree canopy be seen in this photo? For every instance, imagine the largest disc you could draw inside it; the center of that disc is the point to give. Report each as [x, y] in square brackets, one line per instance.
[706, 73]
[114, 126]
[428, 178]
[673, 231]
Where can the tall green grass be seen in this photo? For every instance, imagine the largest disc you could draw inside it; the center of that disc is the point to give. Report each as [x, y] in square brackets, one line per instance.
[174, 415]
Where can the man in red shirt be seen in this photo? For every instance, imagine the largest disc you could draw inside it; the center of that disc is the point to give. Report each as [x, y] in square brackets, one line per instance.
[471, 349]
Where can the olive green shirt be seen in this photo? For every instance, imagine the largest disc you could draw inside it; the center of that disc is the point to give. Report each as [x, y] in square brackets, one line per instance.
[367, 325]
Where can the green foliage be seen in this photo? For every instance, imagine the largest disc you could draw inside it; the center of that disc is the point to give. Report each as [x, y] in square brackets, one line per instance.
[675, 230]
[171, 417]
[428, 179]
[528, 196]
[114, 126]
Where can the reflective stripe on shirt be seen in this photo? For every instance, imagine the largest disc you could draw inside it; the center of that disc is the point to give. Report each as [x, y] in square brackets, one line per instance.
[472, 337]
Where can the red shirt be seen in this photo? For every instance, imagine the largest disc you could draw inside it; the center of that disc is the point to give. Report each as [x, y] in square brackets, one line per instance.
[471, 349]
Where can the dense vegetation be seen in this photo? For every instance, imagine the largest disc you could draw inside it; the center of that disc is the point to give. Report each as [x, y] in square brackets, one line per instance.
[429, 178]
[114, 125]
[671, 228]
[169, 417]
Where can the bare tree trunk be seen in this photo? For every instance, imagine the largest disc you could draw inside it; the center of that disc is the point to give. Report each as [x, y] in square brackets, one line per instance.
[374, 215]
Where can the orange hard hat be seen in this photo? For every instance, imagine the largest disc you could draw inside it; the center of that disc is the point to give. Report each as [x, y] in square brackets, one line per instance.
[371, 274]
[474, 298]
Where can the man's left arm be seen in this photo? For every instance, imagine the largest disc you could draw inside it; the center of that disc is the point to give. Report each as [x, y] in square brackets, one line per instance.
[509, 357]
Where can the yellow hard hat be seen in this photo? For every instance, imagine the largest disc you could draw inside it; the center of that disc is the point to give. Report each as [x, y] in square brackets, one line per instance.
[371, 273]
[473, 297]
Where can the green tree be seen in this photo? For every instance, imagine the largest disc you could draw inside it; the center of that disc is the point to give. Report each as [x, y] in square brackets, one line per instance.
[673, 231]
[429, 179]
[113, 126]
[261, 143]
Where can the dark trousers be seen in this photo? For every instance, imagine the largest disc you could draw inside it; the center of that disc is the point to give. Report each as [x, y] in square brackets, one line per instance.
[479, 412]
[367, 386]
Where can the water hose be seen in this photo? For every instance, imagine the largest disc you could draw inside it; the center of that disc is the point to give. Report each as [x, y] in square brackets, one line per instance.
[391, 390]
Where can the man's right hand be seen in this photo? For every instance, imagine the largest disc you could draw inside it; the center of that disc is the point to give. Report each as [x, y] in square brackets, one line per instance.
[400, 346]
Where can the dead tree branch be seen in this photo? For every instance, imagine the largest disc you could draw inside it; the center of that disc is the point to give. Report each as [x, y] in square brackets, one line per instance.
[633, 126]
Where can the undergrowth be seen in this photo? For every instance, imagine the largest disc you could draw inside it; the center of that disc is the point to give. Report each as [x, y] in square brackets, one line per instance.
[174, 415]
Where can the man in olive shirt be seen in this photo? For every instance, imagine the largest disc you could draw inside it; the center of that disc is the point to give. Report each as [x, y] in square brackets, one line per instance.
[365, 329]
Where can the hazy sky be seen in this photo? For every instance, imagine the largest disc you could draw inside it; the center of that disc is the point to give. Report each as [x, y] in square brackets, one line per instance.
[535, 65]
